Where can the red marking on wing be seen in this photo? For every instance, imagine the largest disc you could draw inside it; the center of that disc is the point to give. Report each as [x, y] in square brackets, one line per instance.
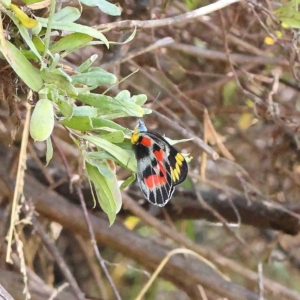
[154, 181]
[146, 142]
[161, 167]
[159, 154]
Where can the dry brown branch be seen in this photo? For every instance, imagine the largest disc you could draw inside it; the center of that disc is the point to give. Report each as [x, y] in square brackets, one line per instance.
[181, 19]
[199, 142]
[13, 283]
[257, 213]
[4, 295]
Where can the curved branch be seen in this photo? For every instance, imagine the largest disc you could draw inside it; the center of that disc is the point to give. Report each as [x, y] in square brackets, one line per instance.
[258, 213]
[180, 19]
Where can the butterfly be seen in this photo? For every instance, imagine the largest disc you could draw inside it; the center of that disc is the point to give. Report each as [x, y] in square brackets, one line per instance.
[160, 167]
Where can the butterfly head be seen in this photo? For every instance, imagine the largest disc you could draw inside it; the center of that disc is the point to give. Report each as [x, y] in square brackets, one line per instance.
[140, 127]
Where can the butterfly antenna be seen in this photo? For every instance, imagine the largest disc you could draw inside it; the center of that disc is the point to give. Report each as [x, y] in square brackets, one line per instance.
[148, 109]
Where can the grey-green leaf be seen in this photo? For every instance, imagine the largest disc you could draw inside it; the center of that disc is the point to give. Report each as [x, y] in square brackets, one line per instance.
[86, 64]
[128, 181]
[65, 108]
[110, 104]
[22, 67]
[120, 154]
[60, 80]
[105, 6]
[107, 191]
[70, 42]
[42, 120]
[68, 26]
[95, 77]
[114, 137]
[85, 111]
[67, 14]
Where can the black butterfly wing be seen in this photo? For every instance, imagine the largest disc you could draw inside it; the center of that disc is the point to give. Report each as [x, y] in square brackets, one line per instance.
[153, 170]
[176, 161]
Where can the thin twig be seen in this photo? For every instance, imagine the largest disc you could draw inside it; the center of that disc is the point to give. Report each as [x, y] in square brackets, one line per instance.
[19, 182]
[219, 217]
[157, 81]
[95, 269]
[261, 281]
[196, 140]
[58, 258]
[94, 243]
[236, 58]
[158, 44]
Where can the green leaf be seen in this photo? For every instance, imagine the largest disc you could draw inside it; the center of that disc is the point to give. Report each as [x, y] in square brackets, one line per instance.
[54, 63]
[61, 25]
[31, 1]
[101, 165]
[191, 5]
[123, 96]
[70, 42]
[78, 123]
[49, 152]
[85, 111]
[6, 3]
[88, 124]
[67, 14]
[128, 181]
[99, 155]
[139, 99]
[86, 64]
[124, 157]
[130, 38]
[65, 108]
[60, 71]
[59, 80]
[114, 137]
[42, 120]
[109, 104]
[38, 44]
[36, 30]
[107, 191]
[22, 67]
[289, 14]
[94, 77]
[29, 55]
[99, 123]
[105, 6]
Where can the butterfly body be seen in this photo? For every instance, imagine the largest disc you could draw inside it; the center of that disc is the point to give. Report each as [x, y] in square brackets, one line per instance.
[160, 166]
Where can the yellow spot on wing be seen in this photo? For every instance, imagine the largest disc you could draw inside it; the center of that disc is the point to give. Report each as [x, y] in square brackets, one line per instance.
[176, 175]
[135, 136]
[179, 158]
[172, 175]
[178, 168]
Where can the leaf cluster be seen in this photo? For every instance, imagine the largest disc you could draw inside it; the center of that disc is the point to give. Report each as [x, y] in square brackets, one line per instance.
[65, 95]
